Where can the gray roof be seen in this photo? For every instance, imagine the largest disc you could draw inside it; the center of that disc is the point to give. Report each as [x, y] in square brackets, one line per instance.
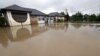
[17, 8]
[56, 14]
[37, 13]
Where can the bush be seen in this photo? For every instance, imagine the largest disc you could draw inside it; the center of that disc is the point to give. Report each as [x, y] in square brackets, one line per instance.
[2, 21]
[59, 20]
[78, 17]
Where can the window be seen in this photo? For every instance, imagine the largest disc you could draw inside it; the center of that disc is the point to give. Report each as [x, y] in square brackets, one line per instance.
[19, 17]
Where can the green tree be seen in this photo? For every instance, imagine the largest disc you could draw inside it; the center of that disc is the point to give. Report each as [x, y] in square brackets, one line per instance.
[98, 18]
[67, 17]
[92, 18]
[86, 18]
[2, 21]
[78, 17]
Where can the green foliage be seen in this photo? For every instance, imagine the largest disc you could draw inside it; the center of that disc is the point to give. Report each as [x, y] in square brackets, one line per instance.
[92, 18]
[77, 17]
[67, 17]
[98, 17]
[59, 20]
[62, 13]
[2, 21]
[86, 17]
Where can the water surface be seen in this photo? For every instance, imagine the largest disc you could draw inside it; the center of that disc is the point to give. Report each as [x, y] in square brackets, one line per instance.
[71, 39]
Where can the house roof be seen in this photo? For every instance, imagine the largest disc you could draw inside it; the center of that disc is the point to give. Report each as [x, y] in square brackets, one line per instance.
[37, 13]
[17, 8]
[56, 14]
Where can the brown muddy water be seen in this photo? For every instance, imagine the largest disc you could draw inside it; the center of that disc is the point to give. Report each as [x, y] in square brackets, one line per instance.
[75, 39]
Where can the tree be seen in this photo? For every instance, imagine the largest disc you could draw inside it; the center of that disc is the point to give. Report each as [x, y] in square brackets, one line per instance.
[98, 18]
[2, 21]
[92, 18]
[67, 17]
[62, 13]
[77, 17]
[86, 18]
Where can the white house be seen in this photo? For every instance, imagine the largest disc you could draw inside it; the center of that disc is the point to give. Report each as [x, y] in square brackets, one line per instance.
[55, 16]
[16, 15]
[37, 17]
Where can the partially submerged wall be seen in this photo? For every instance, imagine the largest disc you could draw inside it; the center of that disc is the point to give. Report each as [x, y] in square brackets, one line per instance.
[12, 22]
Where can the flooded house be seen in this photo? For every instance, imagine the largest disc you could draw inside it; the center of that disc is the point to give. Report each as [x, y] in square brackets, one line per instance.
[17, 15]
[56, 16]
[38, 17]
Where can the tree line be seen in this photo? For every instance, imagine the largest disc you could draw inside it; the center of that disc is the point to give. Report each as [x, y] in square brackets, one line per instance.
[79, 17]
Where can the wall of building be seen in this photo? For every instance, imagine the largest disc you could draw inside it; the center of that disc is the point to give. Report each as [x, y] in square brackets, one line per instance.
[37, 19]
[51, 19]
[12, 22]
[62, 18]
[34, 19]
[54, 19]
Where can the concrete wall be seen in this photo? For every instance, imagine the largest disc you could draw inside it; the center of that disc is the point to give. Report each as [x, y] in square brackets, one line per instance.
[62, 18]
[12, 22]
[34, 20]
[37, 19]
[51, 19]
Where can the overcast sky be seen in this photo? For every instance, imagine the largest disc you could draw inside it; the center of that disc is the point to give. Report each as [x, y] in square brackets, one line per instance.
[47, 6]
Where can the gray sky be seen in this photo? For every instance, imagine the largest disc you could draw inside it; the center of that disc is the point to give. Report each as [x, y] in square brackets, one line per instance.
[47, 6]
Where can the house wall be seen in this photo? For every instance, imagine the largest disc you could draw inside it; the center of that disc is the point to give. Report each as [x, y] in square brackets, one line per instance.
[37, 19]
[41, 19]
[12, 22]
[51, 19]
[62, 18]
[34, 19]
[54, 19]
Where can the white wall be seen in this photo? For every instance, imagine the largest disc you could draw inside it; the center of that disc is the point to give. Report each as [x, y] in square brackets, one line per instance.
[50, 19]
[12, 22]
[41, 19]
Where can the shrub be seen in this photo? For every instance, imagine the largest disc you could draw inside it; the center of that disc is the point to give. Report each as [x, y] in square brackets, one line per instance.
[2, 21]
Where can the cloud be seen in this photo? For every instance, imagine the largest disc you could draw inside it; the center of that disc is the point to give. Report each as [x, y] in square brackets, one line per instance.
[47, 6]
[49, 10]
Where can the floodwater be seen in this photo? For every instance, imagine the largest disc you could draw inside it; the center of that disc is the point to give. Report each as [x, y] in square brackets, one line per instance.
[71, 39]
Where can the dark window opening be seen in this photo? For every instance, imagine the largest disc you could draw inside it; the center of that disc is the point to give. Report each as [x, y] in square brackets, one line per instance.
[19, 16]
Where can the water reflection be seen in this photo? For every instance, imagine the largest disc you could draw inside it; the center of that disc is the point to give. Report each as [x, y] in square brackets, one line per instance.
[77, 25]
[50, 40]
[59, 26]
[19, 33]
[4, 37]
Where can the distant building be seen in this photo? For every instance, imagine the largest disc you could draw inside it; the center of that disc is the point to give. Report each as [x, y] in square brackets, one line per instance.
[37, 16]
[55, 16]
